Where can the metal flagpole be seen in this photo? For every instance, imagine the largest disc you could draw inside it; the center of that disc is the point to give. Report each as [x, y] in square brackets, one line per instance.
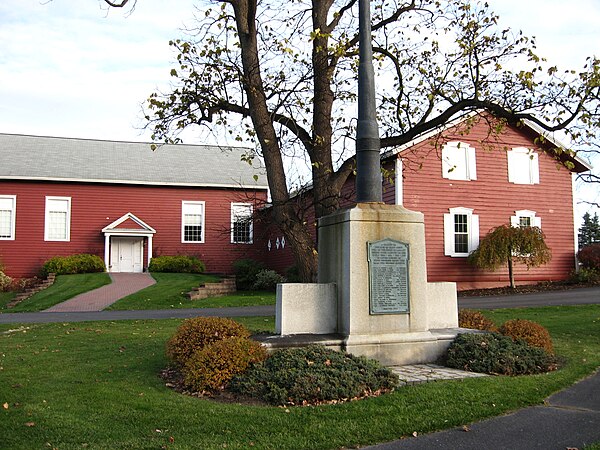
[368, 169]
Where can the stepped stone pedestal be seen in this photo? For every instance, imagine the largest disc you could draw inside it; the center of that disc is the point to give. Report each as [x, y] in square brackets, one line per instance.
[373, 281]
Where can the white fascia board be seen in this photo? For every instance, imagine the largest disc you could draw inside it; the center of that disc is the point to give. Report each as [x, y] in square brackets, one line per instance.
[111, 228]
[550, 137]
[134, 182]
[430, 133]
[125, 232]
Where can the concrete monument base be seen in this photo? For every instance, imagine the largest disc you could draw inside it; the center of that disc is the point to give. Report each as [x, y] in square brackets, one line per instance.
[418, 332]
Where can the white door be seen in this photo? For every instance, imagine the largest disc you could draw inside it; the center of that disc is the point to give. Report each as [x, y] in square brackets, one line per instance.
[126, 255]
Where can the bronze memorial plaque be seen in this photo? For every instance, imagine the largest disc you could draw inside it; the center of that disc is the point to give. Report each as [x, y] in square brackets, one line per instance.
[388, 277]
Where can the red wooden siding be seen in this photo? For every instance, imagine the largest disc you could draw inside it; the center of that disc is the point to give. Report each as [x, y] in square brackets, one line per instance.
[491, 197]
[94, 206]
[494, 200]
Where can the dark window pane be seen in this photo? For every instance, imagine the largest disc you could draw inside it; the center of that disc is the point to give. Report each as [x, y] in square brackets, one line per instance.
[242, 231]
[524, 221]
[461, 234]
[192, 233]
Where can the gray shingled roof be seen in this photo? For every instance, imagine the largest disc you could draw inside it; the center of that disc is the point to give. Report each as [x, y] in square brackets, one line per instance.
[65, 159]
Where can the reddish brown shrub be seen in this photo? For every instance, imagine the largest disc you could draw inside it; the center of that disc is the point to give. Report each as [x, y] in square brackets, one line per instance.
[531, 332]
[194, 334]
[468, 318]
[213, 367]
[589, 256]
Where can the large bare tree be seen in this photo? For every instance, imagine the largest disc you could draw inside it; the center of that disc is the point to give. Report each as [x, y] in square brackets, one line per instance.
[288, 71]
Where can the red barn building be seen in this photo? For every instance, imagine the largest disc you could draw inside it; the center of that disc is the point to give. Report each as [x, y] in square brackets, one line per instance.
[466, 181]
[125, 203]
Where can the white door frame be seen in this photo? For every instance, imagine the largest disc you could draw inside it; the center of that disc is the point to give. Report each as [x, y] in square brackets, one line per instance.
[127, 254]
[140, 231]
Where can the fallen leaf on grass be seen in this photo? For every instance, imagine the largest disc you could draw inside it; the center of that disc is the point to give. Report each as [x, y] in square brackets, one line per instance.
[30, 424]
[5, 405]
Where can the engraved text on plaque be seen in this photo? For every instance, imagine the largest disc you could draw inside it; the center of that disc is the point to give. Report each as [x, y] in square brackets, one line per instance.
[388, 277]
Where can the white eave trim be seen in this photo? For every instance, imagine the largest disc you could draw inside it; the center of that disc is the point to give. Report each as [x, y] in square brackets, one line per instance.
[427, 135]
[549, 136]
[532, 125]
[134, 182]
[145, 229]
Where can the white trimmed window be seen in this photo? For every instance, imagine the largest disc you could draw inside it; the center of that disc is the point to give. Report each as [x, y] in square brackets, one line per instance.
[525, 218]
[192, 222]
[523, 166]
[461, 232]
[58, 219]
[241, 223]
[8, 207]
[458, 161]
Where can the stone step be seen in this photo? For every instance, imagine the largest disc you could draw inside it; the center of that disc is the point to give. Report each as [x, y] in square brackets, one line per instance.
[40, 286]
[226, 286]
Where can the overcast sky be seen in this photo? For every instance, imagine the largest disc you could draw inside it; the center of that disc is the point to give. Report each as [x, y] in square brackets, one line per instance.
[74, 69]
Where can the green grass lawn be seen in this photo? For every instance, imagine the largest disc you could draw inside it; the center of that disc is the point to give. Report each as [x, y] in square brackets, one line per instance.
[95, 385]
[64, 288]
[170, 292]
[5, 298]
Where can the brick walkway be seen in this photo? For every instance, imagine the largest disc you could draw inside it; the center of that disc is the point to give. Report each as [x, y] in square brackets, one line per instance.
[123, 284]
[422, 373]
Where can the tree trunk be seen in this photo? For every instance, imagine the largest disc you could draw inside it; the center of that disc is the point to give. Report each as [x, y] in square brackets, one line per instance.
[303, 248]
[510, 272]
[296, 234]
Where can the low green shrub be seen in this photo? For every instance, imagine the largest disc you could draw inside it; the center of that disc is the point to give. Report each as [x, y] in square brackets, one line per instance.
[312, 375]
[212, 367]
[585, 275]
[176, 264]
[6, 282]
[292, 274]
[267, 280]
[469, 318]
[246, 271]
[67, 265]
[531, 332]
[497, 354]
[196, 333]
[589, 256]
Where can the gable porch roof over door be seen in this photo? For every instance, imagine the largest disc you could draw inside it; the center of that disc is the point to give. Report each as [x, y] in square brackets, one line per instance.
[127, 225]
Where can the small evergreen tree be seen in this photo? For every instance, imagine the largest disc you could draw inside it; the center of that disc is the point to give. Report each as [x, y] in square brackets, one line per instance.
[589, 232]
[507, 245]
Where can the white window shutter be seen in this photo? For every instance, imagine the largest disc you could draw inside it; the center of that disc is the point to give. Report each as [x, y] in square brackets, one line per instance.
[472, 164]
[537, 222]
[454, 161]
[448, 234]
[447, 162]
[535, 168]
[514, 221]
[512, 163]
[474, 233]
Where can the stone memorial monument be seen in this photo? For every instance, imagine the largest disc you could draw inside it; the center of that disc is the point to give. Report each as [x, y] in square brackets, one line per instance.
[372, 297]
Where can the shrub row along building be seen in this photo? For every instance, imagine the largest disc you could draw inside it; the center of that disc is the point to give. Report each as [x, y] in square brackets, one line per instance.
[126, 202]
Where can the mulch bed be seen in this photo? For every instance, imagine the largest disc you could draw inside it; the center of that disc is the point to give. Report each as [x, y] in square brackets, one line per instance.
[528, 289]
[174, 380]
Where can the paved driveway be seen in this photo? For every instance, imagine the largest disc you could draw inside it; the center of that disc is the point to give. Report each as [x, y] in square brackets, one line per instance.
[583, 296]
[554, 298]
